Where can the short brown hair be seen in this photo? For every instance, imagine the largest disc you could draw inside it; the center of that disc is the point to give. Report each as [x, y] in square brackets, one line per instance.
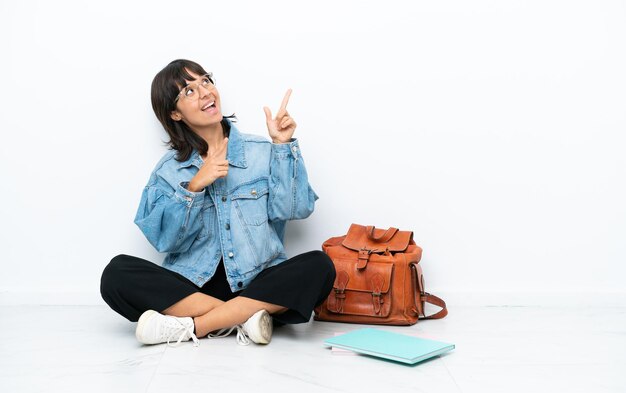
[165, 87]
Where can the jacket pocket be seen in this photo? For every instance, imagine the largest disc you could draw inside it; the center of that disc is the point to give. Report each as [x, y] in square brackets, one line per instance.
[250, 201]
[208, 217]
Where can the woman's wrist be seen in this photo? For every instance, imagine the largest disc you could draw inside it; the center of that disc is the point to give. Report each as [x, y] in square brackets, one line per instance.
[193, 187]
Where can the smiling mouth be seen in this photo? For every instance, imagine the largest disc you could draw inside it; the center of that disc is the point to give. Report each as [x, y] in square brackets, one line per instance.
[208, 105]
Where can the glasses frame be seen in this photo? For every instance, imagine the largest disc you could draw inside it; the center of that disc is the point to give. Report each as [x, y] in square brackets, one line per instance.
[208, 75]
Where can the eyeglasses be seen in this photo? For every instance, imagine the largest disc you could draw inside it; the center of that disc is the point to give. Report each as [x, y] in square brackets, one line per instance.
[191, 92]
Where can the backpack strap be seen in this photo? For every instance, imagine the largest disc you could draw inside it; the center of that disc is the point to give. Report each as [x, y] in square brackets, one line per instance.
[422, 296]
[437, 301]
[383, 238]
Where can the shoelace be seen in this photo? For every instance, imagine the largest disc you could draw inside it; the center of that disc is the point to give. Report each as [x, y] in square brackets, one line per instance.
[242, 338]
[183, 331]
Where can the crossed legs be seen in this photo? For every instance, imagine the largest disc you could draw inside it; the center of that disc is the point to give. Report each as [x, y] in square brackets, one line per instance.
[210, 314]
[131, 285]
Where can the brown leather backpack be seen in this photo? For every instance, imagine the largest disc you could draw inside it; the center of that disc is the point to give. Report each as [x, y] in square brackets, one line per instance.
[379, 280]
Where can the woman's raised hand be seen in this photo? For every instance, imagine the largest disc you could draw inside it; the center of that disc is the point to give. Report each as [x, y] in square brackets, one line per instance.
[215, 166]
[281, 127]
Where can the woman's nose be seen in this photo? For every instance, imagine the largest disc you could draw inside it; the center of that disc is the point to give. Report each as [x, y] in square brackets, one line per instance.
[204, 91]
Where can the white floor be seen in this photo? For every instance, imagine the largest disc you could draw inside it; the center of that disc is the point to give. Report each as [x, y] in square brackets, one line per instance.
[498, 349]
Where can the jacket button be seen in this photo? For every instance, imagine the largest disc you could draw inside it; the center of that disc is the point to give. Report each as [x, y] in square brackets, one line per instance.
[240, 284]
[230, 254]
[223, 199]
[253, 192]
[227, 227]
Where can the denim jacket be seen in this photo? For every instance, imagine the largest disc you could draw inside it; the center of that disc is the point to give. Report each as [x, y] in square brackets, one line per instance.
[239, 219]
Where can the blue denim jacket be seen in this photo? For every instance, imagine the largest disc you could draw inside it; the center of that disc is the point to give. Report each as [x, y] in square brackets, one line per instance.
[240, 219]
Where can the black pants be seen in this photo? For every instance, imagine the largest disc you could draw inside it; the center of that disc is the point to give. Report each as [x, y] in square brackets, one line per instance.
[131, 285]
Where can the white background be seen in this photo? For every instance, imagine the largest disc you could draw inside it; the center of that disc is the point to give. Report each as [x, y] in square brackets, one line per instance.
[495, 130]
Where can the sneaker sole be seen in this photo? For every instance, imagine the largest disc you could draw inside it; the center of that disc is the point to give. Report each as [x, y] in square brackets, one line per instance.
[141, 324]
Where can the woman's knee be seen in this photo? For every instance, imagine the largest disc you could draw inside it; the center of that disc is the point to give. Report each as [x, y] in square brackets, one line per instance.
[324, 264]
[112, 274]
[326, 273]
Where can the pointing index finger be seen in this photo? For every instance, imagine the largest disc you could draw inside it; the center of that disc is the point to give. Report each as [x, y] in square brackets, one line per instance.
[224, 145]
[221, 147]
[283, 105]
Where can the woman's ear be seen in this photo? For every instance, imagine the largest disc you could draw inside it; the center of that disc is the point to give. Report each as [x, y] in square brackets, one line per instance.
[176, 116]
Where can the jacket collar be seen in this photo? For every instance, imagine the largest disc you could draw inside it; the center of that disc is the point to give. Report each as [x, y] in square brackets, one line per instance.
[235, 154]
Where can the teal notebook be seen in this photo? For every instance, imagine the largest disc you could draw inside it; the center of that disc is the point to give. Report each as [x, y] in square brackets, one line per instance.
[388, 345]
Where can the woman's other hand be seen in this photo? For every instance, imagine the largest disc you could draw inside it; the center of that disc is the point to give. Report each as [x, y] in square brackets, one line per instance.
[215, 166]
[281, 127]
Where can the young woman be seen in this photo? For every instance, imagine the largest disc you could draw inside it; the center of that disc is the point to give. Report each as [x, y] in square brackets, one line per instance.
[217, 203]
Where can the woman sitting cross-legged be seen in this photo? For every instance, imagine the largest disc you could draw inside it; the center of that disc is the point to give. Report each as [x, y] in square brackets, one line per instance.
[217, 204]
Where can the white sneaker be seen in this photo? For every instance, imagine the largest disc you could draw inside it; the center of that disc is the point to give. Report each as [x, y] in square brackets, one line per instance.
[257, 328]
[156, 328]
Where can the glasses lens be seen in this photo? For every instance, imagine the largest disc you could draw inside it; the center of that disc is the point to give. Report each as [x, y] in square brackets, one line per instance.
[209, 76]
[190, 92]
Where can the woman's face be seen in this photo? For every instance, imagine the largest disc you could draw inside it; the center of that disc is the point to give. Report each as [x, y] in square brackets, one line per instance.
[198, 103]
